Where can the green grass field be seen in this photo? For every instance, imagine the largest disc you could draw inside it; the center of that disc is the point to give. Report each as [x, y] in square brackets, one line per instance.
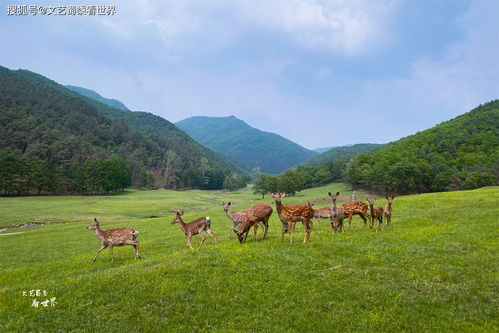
[434, 269]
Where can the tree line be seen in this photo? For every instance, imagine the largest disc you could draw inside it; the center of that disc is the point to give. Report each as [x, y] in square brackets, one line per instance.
[21, 176]
[302, 177]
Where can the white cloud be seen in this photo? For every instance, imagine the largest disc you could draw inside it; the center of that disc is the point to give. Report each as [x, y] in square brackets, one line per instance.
[341, 26]
[346, 27]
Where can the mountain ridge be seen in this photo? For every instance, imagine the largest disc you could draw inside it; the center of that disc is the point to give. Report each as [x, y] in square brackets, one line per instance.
[245, 145]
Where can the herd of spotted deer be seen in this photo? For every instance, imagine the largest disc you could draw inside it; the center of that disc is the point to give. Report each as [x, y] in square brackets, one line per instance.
[256, 216]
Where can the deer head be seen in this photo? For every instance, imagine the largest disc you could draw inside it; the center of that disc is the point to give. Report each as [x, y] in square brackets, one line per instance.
[277, 196]
[390, 199]
[227, 205]
[334, 196]
[94, 225]
[178, 218]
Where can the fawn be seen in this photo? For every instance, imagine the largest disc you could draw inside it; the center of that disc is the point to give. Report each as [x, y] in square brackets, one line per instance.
[258, 214]
[387, 211]
[115, 237]
[320, 213]
[376, 213]
[347, 210]
[196, 227]
[290, 214]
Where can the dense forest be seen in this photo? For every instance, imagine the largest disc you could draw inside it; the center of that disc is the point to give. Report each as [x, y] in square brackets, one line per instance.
[246, 146]
[462, 153]
[46, 129]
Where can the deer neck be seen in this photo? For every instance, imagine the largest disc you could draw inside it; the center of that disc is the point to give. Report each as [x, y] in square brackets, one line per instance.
[334, 205]
[279, 207]
[99, 233]
[181, 225]
[230, 215]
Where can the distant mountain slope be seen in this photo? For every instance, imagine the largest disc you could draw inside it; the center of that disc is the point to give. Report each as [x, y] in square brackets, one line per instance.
[244, 145]
[462, 153]
[41, 120]
[323, 149]
[94, 95]
[342, 152]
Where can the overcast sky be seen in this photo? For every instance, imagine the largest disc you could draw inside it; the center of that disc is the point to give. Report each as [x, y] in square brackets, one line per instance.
[320, 73]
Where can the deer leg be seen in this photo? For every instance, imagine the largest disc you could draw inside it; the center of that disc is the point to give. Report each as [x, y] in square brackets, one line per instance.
[136, 246]
[363, 219]
[189, 241]
[290, 230]
[203, 238]
[255, 229]
[318, 222]
[99, 251]
[349, 222]
[111, 250]
[266, 228]
[212, 234]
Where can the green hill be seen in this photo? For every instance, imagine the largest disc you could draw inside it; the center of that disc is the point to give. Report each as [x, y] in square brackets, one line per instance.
[462, 153]
[93, 95]
[246, 146]
[337, 153]
[323, 149]
[50, 130]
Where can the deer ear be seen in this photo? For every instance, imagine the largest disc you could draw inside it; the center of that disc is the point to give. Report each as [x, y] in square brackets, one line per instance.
[95, 220]
[337, 193]
[329, 193]
[229, 203]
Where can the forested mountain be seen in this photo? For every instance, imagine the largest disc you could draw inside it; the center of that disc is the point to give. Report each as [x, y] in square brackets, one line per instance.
[462, 153]
[341, 153]
[95, 96]
[53, 140]
[323, 149]
[246, 146]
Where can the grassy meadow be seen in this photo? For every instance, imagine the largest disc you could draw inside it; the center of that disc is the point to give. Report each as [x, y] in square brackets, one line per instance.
[434, 269]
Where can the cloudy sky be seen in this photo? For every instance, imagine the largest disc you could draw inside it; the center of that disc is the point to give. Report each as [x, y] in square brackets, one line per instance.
[319, 72]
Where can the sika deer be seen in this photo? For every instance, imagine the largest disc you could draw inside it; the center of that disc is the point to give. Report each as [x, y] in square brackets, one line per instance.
[290, 214]
[387, 211]
[351, 208]
[237, 218]
[320, 213]
[196, 227]
[258, 214]
[337, 214]
[115, 237]
[376, 213]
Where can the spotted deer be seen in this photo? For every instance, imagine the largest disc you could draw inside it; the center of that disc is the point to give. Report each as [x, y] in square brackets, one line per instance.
[337, 214]
[320, 213]
[387, 211]
[350, 209]
[258, 214]
[237, 218]
[290, 214]
[196, 227]
[115, 237]
[376, 214]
